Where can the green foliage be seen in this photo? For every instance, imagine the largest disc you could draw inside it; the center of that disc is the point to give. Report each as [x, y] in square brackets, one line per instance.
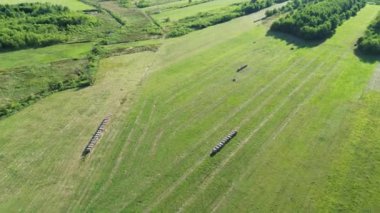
[142, 4]
[124, 3]
[370, 43]
[290, 7]
[25, 85]
[318, 21]
[37, 24]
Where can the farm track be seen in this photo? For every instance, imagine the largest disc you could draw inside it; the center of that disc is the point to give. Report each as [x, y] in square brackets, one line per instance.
[206, 182]
[170, 189]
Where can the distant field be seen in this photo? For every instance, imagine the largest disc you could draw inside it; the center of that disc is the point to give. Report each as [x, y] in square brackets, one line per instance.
[139, 26]
[177, 14]
[72, 4]
[43, 55]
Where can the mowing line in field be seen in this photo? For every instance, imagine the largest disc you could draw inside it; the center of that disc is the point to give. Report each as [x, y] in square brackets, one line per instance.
[165, 194]
[155, 142]
[245, 104]
[201, 91]
[116, 122]
[269, 141]
[118, 160]
[207, 109]
[221, 166]
[145, 131]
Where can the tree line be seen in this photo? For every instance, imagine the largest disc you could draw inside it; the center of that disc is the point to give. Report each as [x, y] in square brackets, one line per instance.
[370, 42]
[318, 21]
[37, 24]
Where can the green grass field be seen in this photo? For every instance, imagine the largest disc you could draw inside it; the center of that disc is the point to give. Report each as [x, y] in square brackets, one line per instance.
[72, 4]
[177, 14]
[43, 55]
[308, 129]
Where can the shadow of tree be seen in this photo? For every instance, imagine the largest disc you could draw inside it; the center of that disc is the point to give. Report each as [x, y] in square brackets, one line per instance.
[367, 58]
[292, 40]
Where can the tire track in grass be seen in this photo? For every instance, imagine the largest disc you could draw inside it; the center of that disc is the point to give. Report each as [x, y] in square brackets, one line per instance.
[273, 137]
[245, 104]
[199, 114]
[206, 110]
[273, 81]
[173, 112]
[208, 75]
[169, 190]
[156, 142]
[67, 170]
[118, 160]
[221, 166]
[145, 131]
[114, 122]
[120, 111]
[261, 91]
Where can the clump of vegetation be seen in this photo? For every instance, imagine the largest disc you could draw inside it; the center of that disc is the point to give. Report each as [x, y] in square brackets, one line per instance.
[318, 21]
[142, 4]
[290, 7]
[38, 24]
[370, 43]
[206, 19]
[25, 85]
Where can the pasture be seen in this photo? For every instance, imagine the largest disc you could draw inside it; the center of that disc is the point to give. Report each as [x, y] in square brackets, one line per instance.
[72, 4]
[302, 113]
[43, 55]
[176, 14]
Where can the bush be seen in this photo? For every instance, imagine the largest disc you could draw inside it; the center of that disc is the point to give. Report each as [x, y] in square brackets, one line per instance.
[370, 43]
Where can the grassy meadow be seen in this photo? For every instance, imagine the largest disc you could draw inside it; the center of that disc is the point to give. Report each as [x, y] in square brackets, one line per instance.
[308, 127]
[72, 4]
[176, 14]
[43, 55]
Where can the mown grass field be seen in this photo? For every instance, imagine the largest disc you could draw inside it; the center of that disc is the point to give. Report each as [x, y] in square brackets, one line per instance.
[308, 129]
[177, 14]
[43, 55]
[72, 4]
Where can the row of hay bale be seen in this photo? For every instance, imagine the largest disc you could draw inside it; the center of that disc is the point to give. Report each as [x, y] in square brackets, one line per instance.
[223, 142]
[241, 68]
[97, 135]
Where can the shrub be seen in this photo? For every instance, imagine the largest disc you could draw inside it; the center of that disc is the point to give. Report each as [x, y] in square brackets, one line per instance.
[370, 43]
